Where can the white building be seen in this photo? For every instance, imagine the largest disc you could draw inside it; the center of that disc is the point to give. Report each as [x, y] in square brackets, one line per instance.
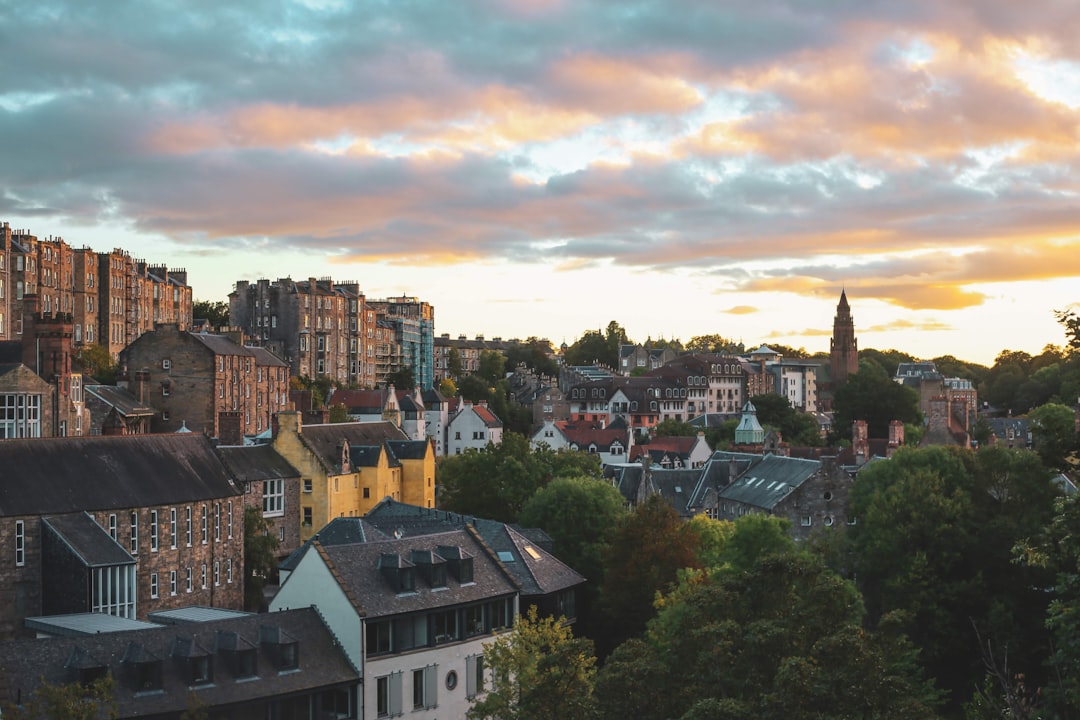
[411, 613]
[473, 426]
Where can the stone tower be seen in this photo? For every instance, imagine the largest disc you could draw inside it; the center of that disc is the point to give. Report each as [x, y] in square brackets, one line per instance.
[843, 348]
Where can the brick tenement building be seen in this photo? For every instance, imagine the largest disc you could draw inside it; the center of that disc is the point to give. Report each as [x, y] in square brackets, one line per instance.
[111, 297]
[123, 525]
[206, 383]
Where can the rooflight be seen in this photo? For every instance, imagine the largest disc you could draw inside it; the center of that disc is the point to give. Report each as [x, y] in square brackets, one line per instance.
[506, 556]
[535, 555]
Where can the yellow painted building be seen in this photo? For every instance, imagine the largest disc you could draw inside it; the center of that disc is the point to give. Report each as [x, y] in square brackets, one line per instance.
[346, 468]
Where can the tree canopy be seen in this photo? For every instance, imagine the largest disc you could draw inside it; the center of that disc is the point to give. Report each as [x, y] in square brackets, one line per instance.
[540, 672]
[873, 396]
[498, 481]
[216, 312]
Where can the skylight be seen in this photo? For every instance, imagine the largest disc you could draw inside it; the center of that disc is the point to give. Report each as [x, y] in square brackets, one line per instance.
[506, 556]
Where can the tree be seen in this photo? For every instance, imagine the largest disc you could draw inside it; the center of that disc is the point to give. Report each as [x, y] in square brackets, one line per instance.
[535, 354]
[580, 514]
[714, 344]
[1071, 322]
[670, 427]
[71, 701]
[798, 428]
[448, 388]
[873, 397]
[97, 362]
[453, 363]
[403, 378]
[540, 671]
[934, 540]
[647, 550]
[492, 366]
[591, 348]
[215, 312]
[781, 639]
[260, 560]
[496, 482]
[1053, 433]
[339, 414]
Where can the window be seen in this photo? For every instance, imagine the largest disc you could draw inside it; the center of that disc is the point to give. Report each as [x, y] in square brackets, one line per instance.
[190, 578]
[153, 531]
[307, 485]
[217, 522]
[187, 524]
[230, 519]
[424, 687]
[388, 695]
[134, 533]
[112, 526]
[217, 572]
[228, 570]
[153, 585]
[307, 517]
[474, 675]
[166, 364]
[378, 637]
[205, 526]
[172, 528]
[172, 582]
[806, 521]
[274, 496]
[20, 543]
[204, 576]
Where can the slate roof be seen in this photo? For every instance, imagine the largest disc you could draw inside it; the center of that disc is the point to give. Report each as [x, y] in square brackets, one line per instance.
[357, 569]
[325, 440]
[265, 358]
[87, 540]
[10, 352]
[221, 344]
[256, 462]
[769, 481]
[322, 663]
[535, 577]
[43, 476]
[360, 402]
[409, 449]
[124, 402]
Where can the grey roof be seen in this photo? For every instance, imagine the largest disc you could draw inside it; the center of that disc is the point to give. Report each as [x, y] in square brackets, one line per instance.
[534, 578]
[87, 540]
[326, 440]
[125, 403]
[79, 624]
[357, 569]
[194, 613]
[339, 531]
[409, 449]
[256, 462]
[43, 476]
[221, 344]
[323, 664]
[769, 481]
[265, 358]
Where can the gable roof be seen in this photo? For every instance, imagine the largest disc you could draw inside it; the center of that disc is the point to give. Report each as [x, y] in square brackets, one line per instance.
[220, 344]
[265, 358]
[585, 435]
[765, 483]
[42, 476]
[325, 441]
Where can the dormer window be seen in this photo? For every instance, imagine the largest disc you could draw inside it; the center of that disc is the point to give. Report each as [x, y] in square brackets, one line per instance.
[432, 567]
[143, 670]
[399, 572]
[283, 649]
[194, 662]
[459, 562]
[239, 655]
[84, 668]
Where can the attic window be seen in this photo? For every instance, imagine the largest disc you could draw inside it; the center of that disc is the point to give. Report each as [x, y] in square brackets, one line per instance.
[283, 649]
[142, 668]
[506, 556]
[532, 553]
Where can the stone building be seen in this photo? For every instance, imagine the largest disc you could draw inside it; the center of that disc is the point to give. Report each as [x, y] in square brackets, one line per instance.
[319, 327]
[271, 486]
[110, 297]
[117, 525]
[843, 347]
[206, 383]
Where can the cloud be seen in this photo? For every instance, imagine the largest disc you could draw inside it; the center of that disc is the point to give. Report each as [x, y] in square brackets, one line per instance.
[741, 310]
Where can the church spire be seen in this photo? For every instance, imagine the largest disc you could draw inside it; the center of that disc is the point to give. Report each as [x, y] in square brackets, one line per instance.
[843, 348]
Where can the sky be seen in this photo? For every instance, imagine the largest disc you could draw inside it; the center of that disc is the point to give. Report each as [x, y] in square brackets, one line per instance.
[542, 167]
